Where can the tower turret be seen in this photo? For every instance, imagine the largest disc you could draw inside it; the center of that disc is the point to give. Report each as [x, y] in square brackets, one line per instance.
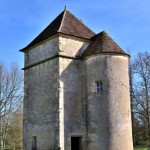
[108, 97]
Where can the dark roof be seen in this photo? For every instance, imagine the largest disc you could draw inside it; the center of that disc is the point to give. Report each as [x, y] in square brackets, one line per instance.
[102, 43]
[73, 26]
[65, 23]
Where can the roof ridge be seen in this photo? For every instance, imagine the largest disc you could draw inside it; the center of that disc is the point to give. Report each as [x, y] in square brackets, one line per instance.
[62, 20]
[81, 21]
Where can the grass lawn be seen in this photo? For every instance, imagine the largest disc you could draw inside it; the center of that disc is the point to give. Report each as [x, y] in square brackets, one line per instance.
[138, 148]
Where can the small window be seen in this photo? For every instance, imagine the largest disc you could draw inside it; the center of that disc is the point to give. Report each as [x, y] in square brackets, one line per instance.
[99, 86]
[34, 143]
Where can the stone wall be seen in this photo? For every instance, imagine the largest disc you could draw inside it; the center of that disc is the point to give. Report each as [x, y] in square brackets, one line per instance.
[72, 90]
[61, 99]
[41, 106]
[109, 118]
[43, 51]
[72, 46]
[72, 94]
[41, 100]
[54, 94]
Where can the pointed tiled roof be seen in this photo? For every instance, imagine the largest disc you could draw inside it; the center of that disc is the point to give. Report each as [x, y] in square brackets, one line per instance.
[65, 23]
[102, 43]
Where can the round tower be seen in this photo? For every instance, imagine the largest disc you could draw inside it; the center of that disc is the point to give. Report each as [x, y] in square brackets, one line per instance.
[108, 95]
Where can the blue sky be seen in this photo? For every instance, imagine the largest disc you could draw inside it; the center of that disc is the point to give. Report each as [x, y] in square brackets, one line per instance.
[126, 21]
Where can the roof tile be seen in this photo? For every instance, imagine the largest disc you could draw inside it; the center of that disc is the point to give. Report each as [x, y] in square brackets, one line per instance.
[102, 43]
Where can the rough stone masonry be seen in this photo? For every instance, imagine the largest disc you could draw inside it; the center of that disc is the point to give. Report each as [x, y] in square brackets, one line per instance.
[76, 90]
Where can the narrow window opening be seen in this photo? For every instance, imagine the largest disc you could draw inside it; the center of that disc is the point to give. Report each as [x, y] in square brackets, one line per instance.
[27, 54]
[99, 86]
[76, 143]
[34, 143]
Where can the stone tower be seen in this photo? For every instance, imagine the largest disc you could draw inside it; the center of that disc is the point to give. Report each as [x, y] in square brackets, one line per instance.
[76, 90]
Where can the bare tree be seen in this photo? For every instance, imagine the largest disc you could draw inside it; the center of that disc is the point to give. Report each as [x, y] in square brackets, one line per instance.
[14, 137]
[11, 82]
[140, 89]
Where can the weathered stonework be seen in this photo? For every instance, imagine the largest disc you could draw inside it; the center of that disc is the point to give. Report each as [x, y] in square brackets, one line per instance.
[72, 46]
[42, 51]
[112, 128]
[41, 105]
[41, 101]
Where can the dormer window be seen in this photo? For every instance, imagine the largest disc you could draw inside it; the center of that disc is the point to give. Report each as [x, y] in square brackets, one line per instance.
[99, 86]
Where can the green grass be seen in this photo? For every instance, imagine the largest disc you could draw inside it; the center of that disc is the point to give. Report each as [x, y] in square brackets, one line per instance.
[140, 148]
